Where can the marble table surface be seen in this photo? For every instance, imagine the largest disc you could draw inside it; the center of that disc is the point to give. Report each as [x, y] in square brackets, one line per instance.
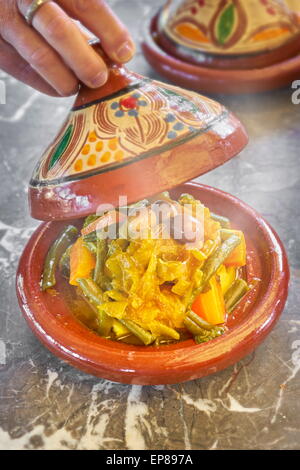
[46, 404]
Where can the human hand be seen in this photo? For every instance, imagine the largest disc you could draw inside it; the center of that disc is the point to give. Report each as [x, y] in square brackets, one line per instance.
[53, 54]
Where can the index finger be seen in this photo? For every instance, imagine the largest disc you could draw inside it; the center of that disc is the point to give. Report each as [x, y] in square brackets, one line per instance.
[97, 16]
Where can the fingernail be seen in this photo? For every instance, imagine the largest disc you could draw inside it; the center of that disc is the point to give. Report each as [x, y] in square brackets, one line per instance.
[99, 80]
[125, 52]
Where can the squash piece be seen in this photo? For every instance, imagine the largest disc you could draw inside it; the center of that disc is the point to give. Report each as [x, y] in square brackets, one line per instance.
[210, 305]
[169, 271]
[114, 309]
[119, 329]
[82, 262]
[181, 287]
[227, 277]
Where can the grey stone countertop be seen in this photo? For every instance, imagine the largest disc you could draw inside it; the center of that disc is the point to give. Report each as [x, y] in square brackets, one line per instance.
[46, 404]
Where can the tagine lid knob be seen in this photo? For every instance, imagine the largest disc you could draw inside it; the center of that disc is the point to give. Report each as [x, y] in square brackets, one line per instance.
[133, 137]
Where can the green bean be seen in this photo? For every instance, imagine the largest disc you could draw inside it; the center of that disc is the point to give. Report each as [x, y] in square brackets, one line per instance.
[199, 321]
[91, 290]
[235, 293]
[54, 255]
[94, 297]
[223, 221]
[213, 263]
[90, 219]
[105, 323]
[185, 197]
[100, 260]
[64, 262]
[192, 327]
[91, 246]
[90, 237]
[226, 233]
[162, 341]
[145, 336]
[202, 333]
[209, 335]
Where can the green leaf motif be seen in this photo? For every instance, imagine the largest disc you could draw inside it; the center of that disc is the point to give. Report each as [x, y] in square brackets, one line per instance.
[226, 24]
[61, 146]
[180, 100]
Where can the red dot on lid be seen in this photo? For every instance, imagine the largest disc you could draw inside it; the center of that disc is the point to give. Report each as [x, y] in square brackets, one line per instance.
[129, 103]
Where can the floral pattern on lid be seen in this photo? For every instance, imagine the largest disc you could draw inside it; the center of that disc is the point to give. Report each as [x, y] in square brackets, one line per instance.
[231, 26]
[149, 119]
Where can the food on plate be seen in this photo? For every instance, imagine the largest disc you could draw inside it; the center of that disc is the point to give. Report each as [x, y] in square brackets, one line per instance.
[152, 273]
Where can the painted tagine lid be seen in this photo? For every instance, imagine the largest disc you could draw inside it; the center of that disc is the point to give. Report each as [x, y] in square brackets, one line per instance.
[132, 137]
[211, 30]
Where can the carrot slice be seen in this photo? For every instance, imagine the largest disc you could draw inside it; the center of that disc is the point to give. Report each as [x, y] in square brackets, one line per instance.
[82, 262]
[210, 305]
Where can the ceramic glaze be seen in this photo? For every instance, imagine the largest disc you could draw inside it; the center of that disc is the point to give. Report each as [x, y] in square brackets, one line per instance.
[227, 46]
[136, 138]
[231, 26]
[50, 317]
[133, 137]
[143, 119]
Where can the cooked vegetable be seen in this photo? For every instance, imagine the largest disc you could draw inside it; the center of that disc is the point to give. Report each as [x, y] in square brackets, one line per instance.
[160, 329]
[89, 220]
[105, 323]
[210, 305]
[208, 335]
[202, 334]
[54, 255]
[235, 294]
[91, 291]
[170, 270]
[227, 276]
[237, 257]
[223, 221]
[154, 272]
[90, 238]
[82, 262]
[101, 252]
[119, 329]
[114, 309]
[145, 336]
[192, 327]
[91, 246]
[214, 262]
[64, 262]
[199, 321]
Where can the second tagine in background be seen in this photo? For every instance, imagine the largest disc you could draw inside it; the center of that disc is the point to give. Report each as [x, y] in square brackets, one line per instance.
[226, 45]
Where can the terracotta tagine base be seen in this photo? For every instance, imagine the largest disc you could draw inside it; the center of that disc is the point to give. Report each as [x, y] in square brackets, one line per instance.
[189, 47]
[51, 319]
[135, 137]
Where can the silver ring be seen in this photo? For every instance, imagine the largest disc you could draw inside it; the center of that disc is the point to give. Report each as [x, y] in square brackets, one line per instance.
[32, 10]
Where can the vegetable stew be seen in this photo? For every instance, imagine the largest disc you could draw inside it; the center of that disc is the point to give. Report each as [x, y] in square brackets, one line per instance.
[155, 272]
